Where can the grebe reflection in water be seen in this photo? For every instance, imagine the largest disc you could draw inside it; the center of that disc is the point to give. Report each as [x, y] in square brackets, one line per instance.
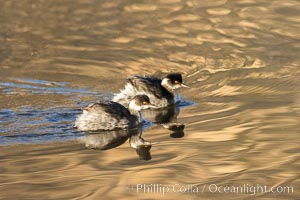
[167, 118]
[105, 140]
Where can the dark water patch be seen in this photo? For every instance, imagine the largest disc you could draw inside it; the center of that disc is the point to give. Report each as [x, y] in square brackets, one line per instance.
[15, 87]
[50, 134]
[185, 103]
[31, 125]
[240, 59]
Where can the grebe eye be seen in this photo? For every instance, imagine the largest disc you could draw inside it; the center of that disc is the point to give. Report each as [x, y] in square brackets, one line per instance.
[145, 102]
[176, 82]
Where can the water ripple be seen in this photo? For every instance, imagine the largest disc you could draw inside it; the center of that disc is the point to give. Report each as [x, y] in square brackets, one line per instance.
[240, 58]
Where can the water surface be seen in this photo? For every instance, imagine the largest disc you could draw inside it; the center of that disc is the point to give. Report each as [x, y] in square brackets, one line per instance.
[240, 58]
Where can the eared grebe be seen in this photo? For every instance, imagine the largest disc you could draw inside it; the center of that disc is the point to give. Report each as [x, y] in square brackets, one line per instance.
[162, 92]
[111, 115]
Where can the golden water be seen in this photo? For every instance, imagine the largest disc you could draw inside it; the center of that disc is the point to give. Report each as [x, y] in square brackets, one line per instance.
[240, 58]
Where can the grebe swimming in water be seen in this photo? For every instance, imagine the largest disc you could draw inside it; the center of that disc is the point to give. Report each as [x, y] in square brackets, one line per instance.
[111, 115]
[162, 92]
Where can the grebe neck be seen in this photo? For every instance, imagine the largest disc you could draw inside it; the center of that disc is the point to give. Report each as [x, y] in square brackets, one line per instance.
[135, 110]
[165, 83]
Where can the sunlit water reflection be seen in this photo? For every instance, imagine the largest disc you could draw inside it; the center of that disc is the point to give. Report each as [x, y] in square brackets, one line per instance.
[240, 58]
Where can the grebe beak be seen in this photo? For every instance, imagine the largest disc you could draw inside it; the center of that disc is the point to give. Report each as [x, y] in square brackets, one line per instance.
[152, 106]
[183, 85]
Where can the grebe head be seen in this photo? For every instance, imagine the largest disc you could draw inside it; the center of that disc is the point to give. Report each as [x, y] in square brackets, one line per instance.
[173, 81]
[140, 102]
